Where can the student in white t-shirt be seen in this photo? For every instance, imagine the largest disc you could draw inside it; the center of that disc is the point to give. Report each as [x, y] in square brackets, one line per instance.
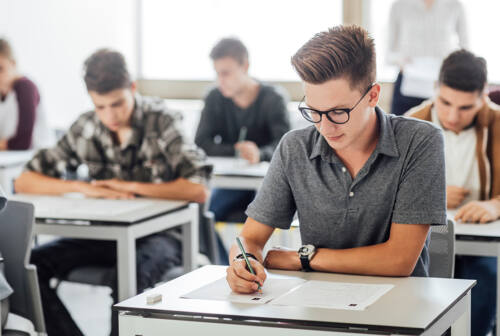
[471, 128]
[22, 120]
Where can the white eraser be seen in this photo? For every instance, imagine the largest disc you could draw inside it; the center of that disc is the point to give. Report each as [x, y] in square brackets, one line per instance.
[153, 298]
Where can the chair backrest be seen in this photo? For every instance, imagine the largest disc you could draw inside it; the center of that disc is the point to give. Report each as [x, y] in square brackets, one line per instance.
[442, 250]
[16, 234]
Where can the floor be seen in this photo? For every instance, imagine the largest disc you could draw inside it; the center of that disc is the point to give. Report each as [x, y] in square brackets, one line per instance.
[90, 306]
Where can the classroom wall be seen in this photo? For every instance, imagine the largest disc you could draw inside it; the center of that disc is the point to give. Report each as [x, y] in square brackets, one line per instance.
[52, 38]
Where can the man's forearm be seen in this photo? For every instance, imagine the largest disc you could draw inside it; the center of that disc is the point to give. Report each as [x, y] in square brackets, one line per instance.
[496, 202]
[380, 259]
[180, 189]
[36, 183]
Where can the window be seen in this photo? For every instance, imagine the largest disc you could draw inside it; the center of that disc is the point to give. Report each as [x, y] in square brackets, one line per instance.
[176, 37]
[481, 16]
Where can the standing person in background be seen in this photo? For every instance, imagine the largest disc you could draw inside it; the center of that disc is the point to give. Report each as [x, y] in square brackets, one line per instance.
[22, 120]
[421, 34]
[241, 115]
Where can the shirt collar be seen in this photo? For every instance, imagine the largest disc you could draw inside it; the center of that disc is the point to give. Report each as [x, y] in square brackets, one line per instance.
[386, 144]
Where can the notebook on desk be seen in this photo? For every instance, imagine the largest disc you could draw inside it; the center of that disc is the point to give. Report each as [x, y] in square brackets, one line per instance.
[80, 210]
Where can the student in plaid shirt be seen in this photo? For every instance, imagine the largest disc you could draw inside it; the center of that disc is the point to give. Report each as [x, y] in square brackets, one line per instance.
[131, 147]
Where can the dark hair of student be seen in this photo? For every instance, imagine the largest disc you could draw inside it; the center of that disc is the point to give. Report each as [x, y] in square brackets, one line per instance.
[105, 71]
[464, 71]
[340, 52]
[230, 47]
[6, 49]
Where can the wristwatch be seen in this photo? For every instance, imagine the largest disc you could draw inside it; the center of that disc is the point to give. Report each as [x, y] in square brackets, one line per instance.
[306, 253]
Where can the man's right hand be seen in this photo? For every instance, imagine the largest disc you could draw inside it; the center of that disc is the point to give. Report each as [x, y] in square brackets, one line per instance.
[101, 192]
[241, 280]
[455, 196]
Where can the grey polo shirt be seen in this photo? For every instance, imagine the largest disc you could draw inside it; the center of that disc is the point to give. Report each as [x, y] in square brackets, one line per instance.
[403, 181]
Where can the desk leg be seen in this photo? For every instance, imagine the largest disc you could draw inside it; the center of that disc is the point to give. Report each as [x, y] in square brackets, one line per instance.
[127, 277]
[461, 327]
[190, 239]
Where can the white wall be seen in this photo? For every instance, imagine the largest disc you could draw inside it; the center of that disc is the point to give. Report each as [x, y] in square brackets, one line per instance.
[52, 38]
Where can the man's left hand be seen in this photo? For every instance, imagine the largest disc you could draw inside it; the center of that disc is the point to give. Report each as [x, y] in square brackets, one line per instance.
[479, 211]
[283, 258]
[3, 144]
[249, 151]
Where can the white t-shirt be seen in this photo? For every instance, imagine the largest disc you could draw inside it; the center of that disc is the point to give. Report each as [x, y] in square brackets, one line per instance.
[462, 167]
[42, 137]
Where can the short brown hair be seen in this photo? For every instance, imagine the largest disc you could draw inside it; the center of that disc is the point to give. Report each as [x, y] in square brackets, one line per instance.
[105, 71]
[230, 47]
[464, 71]
[340, 52]
[6, 49]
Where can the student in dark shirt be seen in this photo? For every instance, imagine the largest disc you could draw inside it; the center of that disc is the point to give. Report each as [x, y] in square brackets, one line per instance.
[239, 102]
[22, 123]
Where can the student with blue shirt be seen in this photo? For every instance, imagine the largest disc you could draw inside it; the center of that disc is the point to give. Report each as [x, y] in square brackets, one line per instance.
[366, 186]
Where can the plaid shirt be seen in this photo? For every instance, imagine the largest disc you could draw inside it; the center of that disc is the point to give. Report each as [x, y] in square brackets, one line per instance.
[155, 151]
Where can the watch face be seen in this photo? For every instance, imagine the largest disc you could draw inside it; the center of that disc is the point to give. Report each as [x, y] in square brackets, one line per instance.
[306, 250]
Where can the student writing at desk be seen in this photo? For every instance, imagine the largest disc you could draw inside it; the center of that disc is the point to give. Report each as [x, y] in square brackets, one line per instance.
[131, 147]
[241, 115]
[366, 185]
[471, 126]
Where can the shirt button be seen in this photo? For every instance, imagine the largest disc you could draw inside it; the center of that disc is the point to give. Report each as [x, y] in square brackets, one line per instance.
[351, 194]
[343, 169]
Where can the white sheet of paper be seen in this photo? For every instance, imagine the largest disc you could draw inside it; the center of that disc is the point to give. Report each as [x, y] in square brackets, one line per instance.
[239, 167]
[82, 206]
[333, 295]
[419, 77]
[220, 290]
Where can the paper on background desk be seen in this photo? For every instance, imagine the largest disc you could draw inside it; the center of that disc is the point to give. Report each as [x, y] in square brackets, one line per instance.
[220, 290]
[419, 77]
[237, 167]
[333, 295]
[78, 206]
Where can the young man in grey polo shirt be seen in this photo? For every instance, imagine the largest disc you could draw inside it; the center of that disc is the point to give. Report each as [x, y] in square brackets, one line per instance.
[366, 185]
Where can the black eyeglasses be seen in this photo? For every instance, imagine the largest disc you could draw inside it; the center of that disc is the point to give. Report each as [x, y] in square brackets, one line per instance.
[335, 115]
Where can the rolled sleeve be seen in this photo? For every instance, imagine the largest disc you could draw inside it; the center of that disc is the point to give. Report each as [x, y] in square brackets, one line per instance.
[56, 161]
[421, 197]
[185, 159]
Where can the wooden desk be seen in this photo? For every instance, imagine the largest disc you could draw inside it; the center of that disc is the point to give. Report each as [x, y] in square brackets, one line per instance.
[79, 218]
[415, 306]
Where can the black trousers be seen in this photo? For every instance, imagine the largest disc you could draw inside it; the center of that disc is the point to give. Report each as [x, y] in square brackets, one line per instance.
[155, 254]
[400, 103]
